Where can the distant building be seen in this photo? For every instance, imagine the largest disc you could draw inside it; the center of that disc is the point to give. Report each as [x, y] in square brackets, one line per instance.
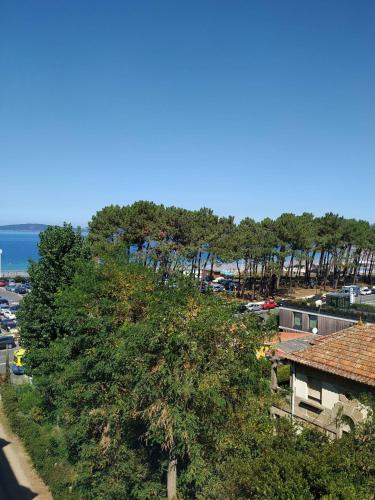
[327, 378]
[317, 317]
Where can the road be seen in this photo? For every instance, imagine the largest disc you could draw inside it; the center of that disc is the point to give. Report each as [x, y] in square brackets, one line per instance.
[18, 479]
[10, 296]
[367, 299]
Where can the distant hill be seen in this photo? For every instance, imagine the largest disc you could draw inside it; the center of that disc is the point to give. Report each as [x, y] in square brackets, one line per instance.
[24, 227]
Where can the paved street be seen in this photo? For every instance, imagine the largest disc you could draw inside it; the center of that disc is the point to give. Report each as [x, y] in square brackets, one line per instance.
[10, 296]
[367, 299]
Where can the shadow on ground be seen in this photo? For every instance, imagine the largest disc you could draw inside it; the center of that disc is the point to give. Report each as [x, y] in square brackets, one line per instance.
[10, 489]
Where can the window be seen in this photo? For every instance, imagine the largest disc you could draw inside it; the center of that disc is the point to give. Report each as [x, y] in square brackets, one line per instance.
[313, 322]
[297, 321]
[314, 389]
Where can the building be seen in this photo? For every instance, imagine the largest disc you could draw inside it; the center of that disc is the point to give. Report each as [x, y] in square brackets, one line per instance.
[323, 319]
[327, 380]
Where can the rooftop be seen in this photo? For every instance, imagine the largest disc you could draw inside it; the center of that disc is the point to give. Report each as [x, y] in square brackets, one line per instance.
[286, 342]
[349, 353]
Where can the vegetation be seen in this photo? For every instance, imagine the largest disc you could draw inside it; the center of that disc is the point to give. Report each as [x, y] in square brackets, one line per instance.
[43, 440]
[142, 385]
[59, 249]
[270, 253]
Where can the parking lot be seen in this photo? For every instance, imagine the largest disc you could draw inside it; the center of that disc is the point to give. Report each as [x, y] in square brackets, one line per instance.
[367, 299]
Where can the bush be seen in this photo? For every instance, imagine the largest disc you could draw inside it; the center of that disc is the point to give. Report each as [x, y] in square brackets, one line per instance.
[363, 307]
[44, 442]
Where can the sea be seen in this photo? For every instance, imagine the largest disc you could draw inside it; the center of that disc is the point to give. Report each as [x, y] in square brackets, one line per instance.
[18, 248]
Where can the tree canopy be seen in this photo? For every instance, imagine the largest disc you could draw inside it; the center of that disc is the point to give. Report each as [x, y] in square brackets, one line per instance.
[330, 248]
[143, 385]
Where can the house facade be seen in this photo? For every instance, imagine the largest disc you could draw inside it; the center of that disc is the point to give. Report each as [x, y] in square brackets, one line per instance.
[329, 381]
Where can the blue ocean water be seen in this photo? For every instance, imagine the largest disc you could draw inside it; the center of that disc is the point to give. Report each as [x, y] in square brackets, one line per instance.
[18, 247]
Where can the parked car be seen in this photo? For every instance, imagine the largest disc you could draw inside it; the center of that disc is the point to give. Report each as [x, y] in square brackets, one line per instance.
[249, 307]
[4, 301]
[365, 291]
[21, 290]
[14, 308]
[2, 283]
[7, 341]
[217, 287]
[253, 307]
[373, 289]
[269, 304]
[231, 285]
[242, 308]
[10, 288]
[354, 288]
[8, 314]
[8, 325]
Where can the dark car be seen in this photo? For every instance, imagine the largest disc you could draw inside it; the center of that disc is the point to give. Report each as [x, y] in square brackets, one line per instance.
[21, 290]
[242, 308]
[4, 302]
[230, 285]
[14, 308]
[8, 324]
[7, 341]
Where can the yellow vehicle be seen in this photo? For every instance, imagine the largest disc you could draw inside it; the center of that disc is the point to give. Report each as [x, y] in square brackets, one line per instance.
[18, 367]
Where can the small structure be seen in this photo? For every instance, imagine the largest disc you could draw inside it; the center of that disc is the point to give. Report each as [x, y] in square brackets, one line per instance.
[327, 378]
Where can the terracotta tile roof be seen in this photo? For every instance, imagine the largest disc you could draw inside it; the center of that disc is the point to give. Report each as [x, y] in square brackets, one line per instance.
[284, 336]
[349, 353]
[285, 342]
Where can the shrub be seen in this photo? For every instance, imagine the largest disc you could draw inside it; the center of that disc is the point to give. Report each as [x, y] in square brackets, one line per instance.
[44, 442]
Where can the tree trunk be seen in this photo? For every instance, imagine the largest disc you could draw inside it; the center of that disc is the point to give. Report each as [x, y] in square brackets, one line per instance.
[199, 264]
[172, 479]
[239, 280]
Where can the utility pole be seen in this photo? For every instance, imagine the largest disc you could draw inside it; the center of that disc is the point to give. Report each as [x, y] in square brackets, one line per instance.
[0, 261]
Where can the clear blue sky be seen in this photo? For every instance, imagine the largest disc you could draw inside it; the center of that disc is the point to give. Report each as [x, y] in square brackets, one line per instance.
[252, 108]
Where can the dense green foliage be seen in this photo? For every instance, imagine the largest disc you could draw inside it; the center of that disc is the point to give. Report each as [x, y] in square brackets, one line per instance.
[132, 371]
[59, 249]
[43, 440]
[158, 370]
[330, 249]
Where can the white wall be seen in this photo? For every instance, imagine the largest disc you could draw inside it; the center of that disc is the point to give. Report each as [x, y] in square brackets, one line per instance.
[330, 395]
[301, 384]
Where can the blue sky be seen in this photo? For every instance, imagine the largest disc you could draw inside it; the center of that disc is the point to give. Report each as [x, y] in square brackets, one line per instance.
[253, 108]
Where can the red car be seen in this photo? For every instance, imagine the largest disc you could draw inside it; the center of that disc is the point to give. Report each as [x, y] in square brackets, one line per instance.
[269, 304]
[2, 283]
